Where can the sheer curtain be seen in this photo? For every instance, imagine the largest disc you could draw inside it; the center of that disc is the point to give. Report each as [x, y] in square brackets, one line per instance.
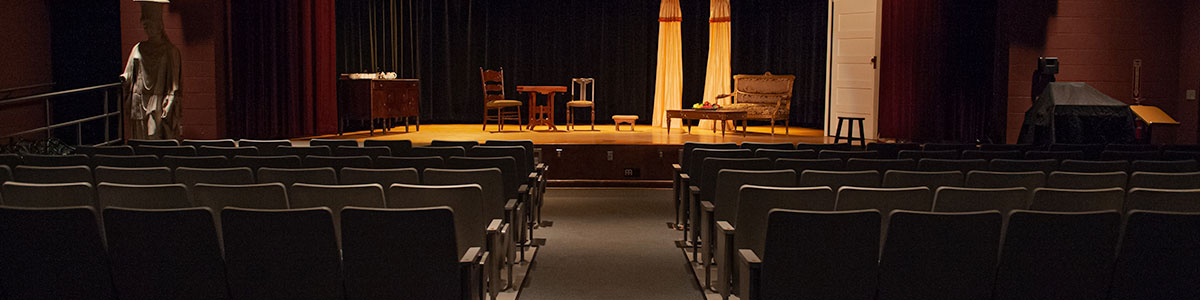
[717, 75]
[668, 85]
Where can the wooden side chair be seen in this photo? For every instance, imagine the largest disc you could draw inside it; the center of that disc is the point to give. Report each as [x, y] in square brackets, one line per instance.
[494, 99]
[585, 99]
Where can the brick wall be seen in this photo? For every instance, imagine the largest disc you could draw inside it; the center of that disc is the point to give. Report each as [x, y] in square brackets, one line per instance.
[1096, 42]
[197, 28]
[25, 61]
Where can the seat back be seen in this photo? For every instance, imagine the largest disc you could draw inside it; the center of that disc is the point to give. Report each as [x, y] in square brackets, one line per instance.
[774, 154]
[335, 197]
[765, 89]
[990, 155]
[885, 200]
[685, 160]
[1023, 165]
[175, 162]
[1088, 149]
[12, 160]
[161, 151]
[892, 150]
[332, 143]
[523, 167]
[755, 202]
[192, 176]
[964, 199]
[919, 154]
[211, 143]
[165, 253]
[838, 179]
[1165, 180]
[842, 266]
[228, 152]
[106, 150]
[822, 147]
[152, 196]
[1130, 155]
[52, 174]
[260, 196]
[398, 147]
[290, 176]
[1163, 200]
[490, 182]
[931, 180]
[987, 179]
[1057, 155]
[125, 161]
[1011, 147]
[383, 177]
[930, 255]
[372, 152]
[470, 224]
[527, 144]
[53, 253]
[1165, 166]
[695, 168]
[21, 194]
[1131, 147]
[445, 152]
[1159, 257]
[466, 145]
[801, 165]
[845, 155]
[400, 254]
[711, 166]
[38, 160]
[1072, 180]
[1048, 255]
[1072, 200]
[257, 162]
[265, 147]
[948, 146]
[145, 142]
[303, 152]
[941, 165]
[752, 146]
[880, 165]
[5, 174]
[1093, 166]
[155, 175]
[257, 269]
[336, 162]
[729, 184]
[419, 163]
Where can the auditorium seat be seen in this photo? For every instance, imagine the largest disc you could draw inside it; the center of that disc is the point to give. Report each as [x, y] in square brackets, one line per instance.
[175, 162]
[1059, 155]
[383, 177]
[372, 152]
[1074, 180]
[21, 194]
[258, 196]
[1089, 151]
[1131, 147]
[990, 155]
[265, 147]
[774, 154]
[290, 176]
[148, 196]
[5, 174]
[681, 180]
[397, 147]
[930, 255]
[191, 176]
[335, 197]
[752, 146]
[523, 171]
[1159, 257]
[987, 179]
[415, 248]
[210, 143]
[1023, 165]
[336, 162]
[1130, 155]
[880, 165]
[495, 204]
[1054, 255]
[948, 146]
[1077, 200]
[38, 160]
[125, 161]
[845, 155]
[885, 200]
[419, 163]
[837, 179]
[154, 175]
[53, 253]
[165, 254]
[961, 165]
[161, 151]
[1093, 166]
[540, 188]
[964, 199]
[106, 150]
[1180, 155]
[466, 145]
[443, 152]
[892, 150]
[514, 213]
[257, 162]
[228, 152]
[688, 147]
[1011, 147]
[303, 152]
[931, 180]
[822, 147]
[1165, 180]
[310, 268]
[473, 227]
[11, 160]
[332, 143]
[724, 206]
[843, 266]
[52, 174]
[1163, 200]
[514, 183]
[801, 165]
[1174, 166]
[147, 142]
[919, 154]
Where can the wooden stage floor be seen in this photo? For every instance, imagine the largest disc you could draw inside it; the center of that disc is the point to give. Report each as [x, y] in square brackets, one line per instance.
[603, 135]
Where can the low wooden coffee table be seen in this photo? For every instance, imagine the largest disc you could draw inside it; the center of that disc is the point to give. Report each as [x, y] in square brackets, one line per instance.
[708, 114]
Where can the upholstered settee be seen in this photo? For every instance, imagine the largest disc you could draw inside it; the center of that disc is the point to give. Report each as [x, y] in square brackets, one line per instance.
[765, 97]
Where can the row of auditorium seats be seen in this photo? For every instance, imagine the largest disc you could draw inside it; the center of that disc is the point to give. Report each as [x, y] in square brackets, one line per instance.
[959, 150]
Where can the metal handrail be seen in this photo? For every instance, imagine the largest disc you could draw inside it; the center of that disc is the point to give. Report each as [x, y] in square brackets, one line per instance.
[106, 115]
[11, 90]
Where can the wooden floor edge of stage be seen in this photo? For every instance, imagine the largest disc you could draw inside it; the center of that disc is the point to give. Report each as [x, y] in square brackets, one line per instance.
[603, 135]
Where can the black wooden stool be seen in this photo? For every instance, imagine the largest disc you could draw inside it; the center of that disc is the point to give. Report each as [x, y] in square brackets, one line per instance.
[862, 136]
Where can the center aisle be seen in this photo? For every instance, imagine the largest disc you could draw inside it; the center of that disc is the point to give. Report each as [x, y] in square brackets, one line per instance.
[609, 244]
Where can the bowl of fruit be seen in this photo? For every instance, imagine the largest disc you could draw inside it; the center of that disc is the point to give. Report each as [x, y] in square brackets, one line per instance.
[706, 106]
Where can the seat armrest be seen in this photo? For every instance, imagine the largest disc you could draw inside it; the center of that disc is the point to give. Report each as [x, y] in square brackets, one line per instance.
[540, 167]
[523, 189]
[695, 191]
[494, 226]
[724, 96]
[708, 207]
[510, 205]
[685, 177]
[724, 226]
[750, 266]
[533, 176]
[473, 255]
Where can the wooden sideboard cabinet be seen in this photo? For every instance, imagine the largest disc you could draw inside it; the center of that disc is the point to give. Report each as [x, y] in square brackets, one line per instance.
[375, 99]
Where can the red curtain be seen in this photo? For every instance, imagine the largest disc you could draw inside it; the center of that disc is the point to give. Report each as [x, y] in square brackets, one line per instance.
[937, 79]
[282, 68]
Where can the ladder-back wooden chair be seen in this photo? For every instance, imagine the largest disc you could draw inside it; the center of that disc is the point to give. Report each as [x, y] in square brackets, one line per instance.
[494, 99]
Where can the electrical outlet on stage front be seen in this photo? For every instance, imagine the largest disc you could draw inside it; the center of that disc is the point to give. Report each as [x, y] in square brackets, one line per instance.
[633, 172]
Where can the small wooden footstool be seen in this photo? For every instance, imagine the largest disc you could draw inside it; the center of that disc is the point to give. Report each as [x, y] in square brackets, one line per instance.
[626, 119]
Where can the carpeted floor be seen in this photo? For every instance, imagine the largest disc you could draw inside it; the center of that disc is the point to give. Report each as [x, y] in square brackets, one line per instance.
[609, 244]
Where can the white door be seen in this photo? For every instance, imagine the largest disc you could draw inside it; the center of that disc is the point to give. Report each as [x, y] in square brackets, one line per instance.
[853, 76]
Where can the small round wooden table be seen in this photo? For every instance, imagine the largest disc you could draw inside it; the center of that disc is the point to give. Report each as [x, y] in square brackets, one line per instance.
[541, 114]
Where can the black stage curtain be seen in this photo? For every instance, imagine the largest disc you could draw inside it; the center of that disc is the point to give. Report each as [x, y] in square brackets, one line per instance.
[548, 42]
